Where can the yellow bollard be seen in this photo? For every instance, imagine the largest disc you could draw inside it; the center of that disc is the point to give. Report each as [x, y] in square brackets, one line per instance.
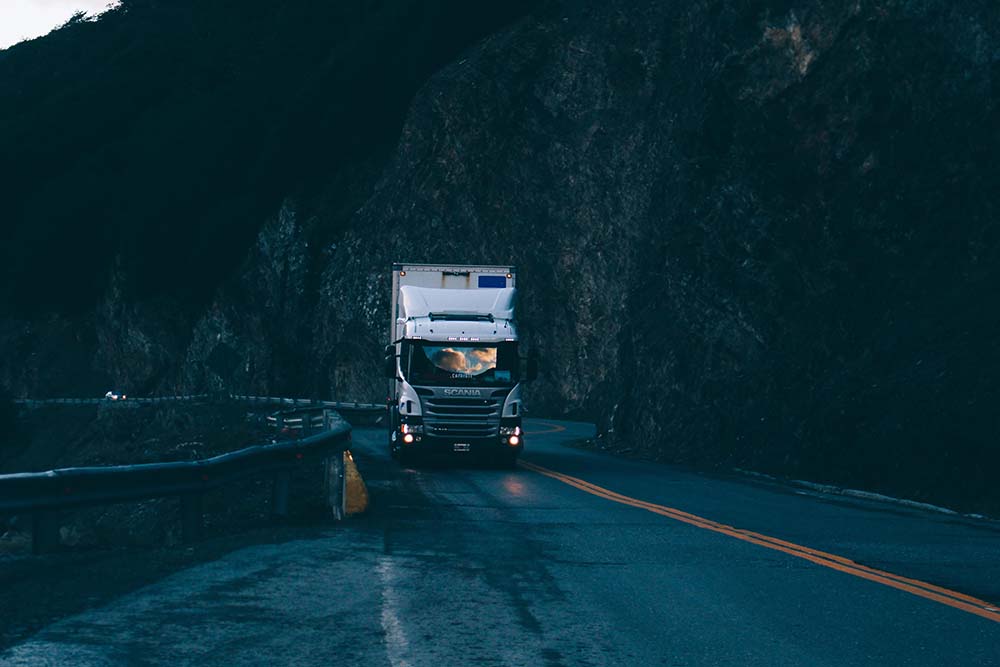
[356, 491]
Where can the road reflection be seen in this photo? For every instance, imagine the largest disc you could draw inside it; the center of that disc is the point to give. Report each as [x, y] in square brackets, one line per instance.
[513, 485]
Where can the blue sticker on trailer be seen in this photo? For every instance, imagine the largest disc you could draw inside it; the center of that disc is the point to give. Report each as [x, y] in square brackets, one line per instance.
[492, 281]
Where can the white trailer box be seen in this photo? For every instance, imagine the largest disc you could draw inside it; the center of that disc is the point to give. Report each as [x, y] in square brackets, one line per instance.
[436, 277]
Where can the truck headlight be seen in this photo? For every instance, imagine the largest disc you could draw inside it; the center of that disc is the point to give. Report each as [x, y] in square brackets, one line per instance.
[510, 430]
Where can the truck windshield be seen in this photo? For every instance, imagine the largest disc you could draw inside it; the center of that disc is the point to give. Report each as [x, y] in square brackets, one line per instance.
[474, 365]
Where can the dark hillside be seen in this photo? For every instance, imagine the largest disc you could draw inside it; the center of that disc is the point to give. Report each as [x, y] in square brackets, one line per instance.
[160, 137]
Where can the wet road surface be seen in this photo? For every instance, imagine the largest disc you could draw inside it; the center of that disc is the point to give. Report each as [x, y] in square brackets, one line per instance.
[573, 561]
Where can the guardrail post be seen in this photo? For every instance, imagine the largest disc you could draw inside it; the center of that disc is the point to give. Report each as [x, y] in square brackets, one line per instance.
[279, 494]
[336, 481]
[191, 517]
[44, 532]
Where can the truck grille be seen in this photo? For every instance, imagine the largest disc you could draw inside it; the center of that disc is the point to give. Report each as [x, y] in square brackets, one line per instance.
[458, 418]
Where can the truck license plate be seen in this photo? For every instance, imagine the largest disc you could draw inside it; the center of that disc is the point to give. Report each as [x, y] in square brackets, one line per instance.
[461, 447]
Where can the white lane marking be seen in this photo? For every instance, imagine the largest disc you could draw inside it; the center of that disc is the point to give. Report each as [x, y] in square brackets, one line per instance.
[396, 644]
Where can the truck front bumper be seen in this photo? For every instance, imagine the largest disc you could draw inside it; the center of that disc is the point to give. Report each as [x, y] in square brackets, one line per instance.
[492, 446]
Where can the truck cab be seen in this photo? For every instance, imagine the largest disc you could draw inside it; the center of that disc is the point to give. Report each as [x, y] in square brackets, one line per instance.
[454, 363]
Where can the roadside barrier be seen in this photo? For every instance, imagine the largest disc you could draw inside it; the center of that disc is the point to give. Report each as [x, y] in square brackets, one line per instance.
[38, 402]
[150, 400]
[362, 411]
[323, 435]
[370, 411]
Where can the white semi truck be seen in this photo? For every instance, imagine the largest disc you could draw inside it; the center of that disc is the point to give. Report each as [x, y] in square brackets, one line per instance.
[454, 364]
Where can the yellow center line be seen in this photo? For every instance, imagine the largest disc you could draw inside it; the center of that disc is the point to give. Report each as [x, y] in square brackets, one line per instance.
[922, 589]
[553, 428]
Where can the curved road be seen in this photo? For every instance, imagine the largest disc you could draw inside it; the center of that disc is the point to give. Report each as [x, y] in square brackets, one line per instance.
[576, 558]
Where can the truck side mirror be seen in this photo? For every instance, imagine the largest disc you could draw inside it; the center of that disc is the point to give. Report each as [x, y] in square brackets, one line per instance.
[531, 372]
[389, 369]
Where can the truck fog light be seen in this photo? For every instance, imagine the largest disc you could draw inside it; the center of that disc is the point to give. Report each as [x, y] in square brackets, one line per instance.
[514, 440]
[407, 438]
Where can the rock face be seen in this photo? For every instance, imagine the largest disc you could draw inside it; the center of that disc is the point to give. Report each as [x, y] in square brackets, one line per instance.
[758, 234]
[752, 234]
[157, 160]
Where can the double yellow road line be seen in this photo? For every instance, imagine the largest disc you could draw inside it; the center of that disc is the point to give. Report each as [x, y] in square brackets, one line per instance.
[922, 589]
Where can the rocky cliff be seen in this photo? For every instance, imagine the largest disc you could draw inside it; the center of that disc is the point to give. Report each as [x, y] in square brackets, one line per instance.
[752, 234]
[757, 234]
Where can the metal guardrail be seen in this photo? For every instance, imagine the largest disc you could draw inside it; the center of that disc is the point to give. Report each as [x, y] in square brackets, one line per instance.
[152, 400]
[337, 405]
[148, 400]
[309, 418]
[369, 411]
[43, 493]
[286, 420]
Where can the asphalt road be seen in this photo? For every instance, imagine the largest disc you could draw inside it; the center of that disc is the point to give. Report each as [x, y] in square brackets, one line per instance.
[578, 559]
